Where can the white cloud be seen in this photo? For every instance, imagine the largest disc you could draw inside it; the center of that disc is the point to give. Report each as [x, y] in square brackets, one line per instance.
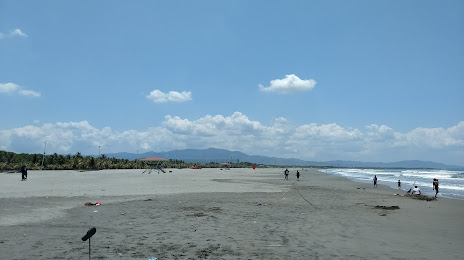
[238, 132]
[434, 137]
[18, 32]
[328, 132]
[29, 93]
[8, 87]
[173, 96]
[290, 84]
[377, 133]
[15, 33]
[13, 88]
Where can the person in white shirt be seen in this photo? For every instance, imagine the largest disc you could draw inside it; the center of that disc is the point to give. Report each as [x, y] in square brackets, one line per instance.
[416, 191]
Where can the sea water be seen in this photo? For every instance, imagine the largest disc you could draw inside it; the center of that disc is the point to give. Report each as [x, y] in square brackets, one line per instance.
[451, 183]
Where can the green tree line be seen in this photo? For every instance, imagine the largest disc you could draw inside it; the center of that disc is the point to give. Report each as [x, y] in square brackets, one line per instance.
[10, 161]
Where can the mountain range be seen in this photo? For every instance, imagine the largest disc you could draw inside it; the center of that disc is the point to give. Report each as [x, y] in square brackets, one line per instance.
[222, 155]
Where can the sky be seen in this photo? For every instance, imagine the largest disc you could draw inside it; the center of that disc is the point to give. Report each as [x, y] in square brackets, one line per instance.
[377, 81]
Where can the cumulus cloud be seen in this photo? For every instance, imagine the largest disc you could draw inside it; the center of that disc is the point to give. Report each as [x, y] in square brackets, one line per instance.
[15, 33]
[434, 137]
[327, 132]
[12, 88]
[290, 84]
[318, 142]
[173, 96]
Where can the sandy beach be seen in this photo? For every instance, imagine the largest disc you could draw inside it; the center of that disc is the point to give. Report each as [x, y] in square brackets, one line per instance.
[220, 214]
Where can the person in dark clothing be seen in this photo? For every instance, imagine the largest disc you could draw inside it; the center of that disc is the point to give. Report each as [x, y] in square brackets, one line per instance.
[435, 186]
[23, 173]
[297, 175]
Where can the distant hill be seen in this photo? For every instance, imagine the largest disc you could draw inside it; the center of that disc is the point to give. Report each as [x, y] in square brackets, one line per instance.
[222, 155]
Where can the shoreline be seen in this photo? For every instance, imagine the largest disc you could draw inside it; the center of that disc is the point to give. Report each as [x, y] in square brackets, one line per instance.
[451, 182]
[228, 214]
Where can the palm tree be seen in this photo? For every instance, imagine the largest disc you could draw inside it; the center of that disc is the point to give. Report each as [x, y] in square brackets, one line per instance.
[78, 155]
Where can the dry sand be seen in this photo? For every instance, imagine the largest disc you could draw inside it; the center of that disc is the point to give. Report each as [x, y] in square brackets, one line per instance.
[220, 214]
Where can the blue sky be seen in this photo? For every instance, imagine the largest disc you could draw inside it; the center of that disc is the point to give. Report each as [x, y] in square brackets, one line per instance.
[315, 80]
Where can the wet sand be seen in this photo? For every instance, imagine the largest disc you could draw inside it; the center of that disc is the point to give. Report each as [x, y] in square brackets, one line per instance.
[220, 214]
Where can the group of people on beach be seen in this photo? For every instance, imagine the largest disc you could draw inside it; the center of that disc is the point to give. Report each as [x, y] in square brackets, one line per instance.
[286, 172]
[415, 190]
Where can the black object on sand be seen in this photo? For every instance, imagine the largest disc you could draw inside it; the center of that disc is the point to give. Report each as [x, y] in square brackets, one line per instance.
[89, 234]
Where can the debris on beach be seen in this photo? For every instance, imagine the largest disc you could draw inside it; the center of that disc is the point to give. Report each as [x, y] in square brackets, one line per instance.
[421, 197]
[93, 204]
[386, 207]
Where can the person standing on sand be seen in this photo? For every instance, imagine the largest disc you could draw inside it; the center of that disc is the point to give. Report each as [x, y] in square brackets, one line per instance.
[375, 180]
[399, 184]
[23, 173]
[297, 175]
[435, 186]
[286, 174]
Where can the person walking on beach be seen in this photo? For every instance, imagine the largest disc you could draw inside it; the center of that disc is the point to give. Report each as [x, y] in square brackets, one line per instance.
[297, 175]
[375, 180]
[23, 173]
[286, 174]
[435, 186]
[399, 184]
